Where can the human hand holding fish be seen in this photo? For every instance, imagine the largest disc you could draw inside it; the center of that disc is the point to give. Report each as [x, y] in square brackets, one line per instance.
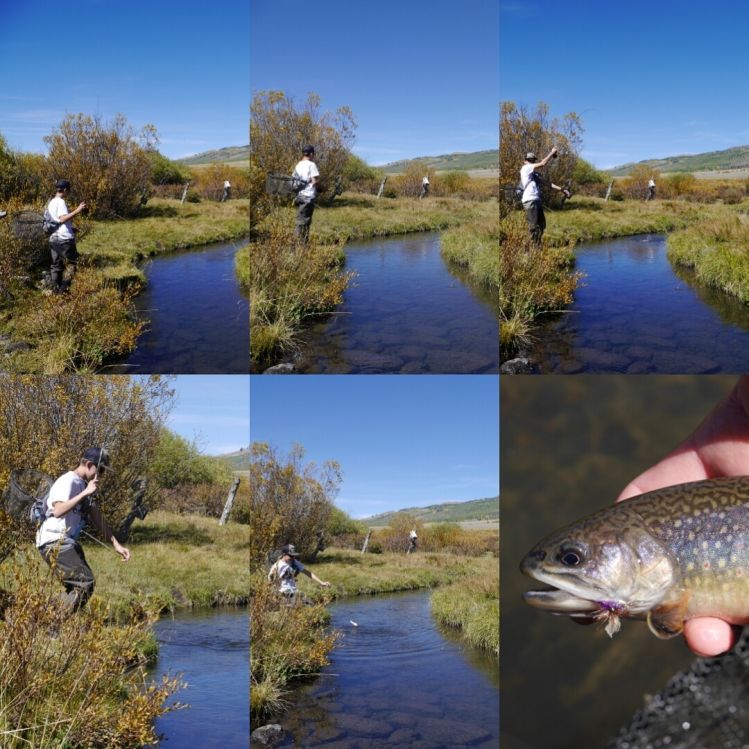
[678, 555]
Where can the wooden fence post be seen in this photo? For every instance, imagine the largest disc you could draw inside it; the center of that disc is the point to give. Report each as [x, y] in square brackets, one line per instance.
[608, 192]
[366, 541]
[229, 501]
[184, 193]
[382, 185]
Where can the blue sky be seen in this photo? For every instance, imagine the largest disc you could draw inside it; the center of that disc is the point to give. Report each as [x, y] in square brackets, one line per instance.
[421, 76]
[182, 65]
[403, 441]
[651, 79]
[212, 409]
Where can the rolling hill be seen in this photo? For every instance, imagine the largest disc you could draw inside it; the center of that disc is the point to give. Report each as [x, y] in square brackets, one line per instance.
[477, 160]
[239, 460]
[447, 512]
[728, 159]
[227, 155]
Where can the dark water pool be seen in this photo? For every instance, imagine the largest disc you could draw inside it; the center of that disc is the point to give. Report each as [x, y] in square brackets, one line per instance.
[397, 681]
[408, 312]
[210, 649]
[198, 317]
[636, 314]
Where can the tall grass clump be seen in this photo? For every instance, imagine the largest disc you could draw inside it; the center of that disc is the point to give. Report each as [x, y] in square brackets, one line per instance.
[718, 251]
[475, 246]
[471, 606]
[288, 641]
[72, 681]
[78, 331]
[534, 279]
[289, 282]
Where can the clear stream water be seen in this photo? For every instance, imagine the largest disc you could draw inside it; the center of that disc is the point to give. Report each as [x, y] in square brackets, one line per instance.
[408, 312]
[396, 680]
[198, 317]
[210, 650]
[636, 314]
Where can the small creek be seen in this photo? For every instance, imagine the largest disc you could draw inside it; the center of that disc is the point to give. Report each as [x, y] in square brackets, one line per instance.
[210, 651]
[198, 317]
[635, 313]
[396, 680]
[408, 311]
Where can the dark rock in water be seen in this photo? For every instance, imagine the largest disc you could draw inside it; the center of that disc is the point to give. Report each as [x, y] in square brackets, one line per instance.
[284, 368]
[520, 365]
[705, 706]
[458, 733]
[268, 735]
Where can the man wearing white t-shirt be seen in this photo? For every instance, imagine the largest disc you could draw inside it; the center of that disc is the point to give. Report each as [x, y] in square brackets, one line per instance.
[68, 509]
[62, 240]
[529, 182]
[306, 170]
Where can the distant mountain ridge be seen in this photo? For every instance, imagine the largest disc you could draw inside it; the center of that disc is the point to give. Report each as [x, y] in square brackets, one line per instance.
[219, 155]
[447, 512]
[448, 162]
[239, 460]
[729, 158]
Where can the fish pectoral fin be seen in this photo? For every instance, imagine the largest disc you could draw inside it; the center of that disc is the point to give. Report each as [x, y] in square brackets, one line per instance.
[667, 621]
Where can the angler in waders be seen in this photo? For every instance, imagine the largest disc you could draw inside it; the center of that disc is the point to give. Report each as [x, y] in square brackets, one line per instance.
[62, 240]
[306, 170]
[286, 569]
[530, 182]
[68, 508]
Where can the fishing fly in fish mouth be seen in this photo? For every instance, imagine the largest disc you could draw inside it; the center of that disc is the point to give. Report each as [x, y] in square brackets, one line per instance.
[666, 556]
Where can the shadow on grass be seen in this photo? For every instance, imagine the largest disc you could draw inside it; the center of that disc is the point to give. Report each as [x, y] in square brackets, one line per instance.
[338, 559]
[350, 200]
[152, 535]
[157, 211]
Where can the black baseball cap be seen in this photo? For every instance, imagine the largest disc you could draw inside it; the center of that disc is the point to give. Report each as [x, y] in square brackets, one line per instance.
[308, 150]
[289, 549]
[99, 456]
[62, 184]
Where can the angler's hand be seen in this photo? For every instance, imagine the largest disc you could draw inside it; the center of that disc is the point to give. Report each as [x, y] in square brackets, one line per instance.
[718, 447]
[122, 551]
[324, 584]
[567, 194]
[91, 487]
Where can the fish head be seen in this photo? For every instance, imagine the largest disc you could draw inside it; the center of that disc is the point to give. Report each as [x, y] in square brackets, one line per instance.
[605, 566]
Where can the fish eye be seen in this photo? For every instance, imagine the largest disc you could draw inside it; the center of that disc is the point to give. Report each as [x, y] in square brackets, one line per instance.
[571, 556]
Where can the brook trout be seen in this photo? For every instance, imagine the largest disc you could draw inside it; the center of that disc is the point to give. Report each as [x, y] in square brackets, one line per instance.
[666, 556]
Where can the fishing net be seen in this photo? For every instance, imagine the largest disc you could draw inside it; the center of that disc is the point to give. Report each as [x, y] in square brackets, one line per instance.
[704, 707]
[27, 226]
[281, 184]
[26, 486]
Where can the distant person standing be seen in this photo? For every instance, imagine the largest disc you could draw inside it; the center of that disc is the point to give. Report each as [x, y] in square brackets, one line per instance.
[530, 182]
[227, 191]
[307, 171]
[62, 240]
[651, 190]
[424, 186]
[412, 538]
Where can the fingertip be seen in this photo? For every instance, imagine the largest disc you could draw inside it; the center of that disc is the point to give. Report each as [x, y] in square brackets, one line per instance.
[708, 636]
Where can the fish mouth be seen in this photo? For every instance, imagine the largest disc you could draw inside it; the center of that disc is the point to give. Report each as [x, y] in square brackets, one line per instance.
[559, 601]
[566, 596]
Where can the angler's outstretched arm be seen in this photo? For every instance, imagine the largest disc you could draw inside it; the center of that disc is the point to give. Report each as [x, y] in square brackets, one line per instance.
[98, 519]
